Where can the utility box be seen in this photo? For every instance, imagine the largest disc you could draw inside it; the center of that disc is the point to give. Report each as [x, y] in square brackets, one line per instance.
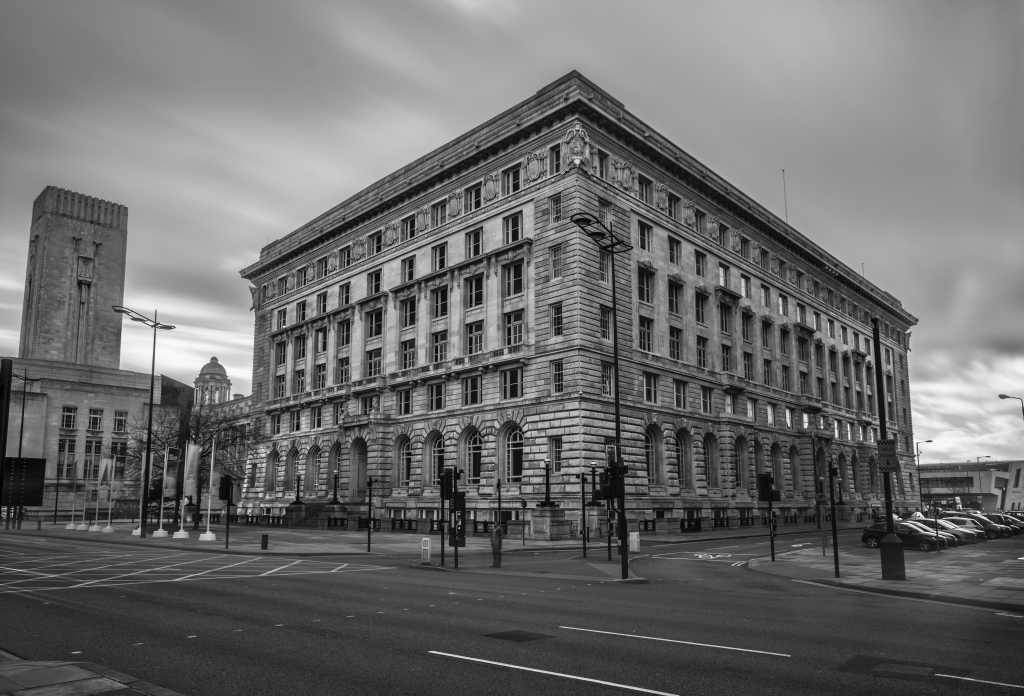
[425, 551]
[634, 542]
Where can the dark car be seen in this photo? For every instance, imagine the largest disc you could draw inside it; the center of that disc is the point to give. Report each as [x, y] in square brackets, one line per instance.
[911, 535]
[963, 534]
[1015, 525]
[992, 530]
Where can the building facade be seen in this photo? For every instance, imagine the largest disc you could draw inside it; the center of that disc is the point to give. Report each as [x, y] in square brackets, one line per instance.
[988, 486]
[451, 315]
[78, 406]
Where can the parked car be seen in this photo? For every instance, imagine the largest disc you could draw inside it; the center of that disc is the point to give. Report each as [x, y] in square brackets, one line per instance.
[911, 535]
[963, 535]
[992, 530]
[1015, 525]
[951, 539]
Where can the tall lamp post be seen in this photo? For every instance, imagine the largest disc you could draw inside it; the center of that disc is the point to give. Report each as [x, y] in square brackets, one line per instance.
[607, 242]
[21, 436]
[1006, 396]
[154, 324]
[920, 494]
[977, 460]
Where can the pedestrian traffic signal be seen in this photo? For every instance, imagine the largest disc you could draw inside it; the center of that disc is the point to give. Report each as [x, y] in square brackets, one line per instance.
[225, 487]
[447, 484]
[765, 490]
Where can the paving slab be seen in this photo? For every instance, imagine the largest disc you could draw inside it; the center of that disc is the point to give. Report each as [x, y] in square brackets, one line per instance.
[20, 677]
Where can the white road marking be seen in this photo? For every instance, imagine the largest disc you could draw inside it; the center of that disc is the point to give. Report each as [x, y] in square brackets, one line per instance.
[889, 596]
[137, 572]
[723, 548]
[343, 565]
[552, 674]
[682, 642]
[289, 565]
[193, 575]
[981, 681]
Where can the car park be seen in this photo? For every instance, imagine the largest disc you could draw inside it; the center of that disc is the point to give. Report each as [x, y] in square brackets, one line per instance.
[911, 535]
[964, 535]
[992, 530]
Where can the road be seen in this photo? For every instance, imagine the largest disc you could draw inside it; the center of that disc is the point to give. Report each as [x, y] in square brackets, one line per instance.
[202, 623]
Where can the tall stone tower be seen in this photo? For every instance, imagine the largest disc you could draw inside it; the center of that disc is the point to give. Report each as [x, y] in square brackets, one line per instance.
[212, 384]
[76, 264]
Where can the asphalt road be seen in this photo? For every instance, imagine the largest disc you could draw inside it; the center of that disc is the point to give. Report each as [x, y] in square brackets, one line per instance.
[201, 623]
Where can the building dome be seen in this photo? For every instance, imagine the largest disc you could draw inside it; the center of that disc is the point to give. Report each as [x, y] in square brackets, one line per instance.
[213, 368]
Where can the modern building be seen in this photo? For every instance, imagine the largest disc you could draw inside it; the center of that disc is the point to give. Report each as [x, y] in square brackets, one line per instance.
[452, 315]
[78, 406]
[973, 485]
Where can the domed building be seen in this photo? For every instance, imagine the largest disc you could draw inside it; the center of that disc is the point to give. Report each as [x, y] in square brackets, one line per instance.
[212, 384]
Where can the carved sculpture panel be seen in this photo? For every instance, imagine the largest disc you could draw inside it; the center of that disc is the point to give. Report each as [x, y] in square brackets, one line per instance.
[661, 197]
[689, 214]
[535, 162]
[391, 232]
[625, 175]
[576, 148]
[454, 204]
[491, 187]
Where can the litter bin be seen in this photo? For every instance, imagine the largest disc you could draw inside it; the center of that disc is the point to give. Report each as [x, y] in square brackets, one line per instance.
[634, 542]
[425, 551]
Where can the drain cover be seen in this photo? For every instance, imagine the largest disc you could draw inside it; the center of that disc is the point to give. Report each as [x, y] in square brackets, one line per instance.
[518, 636]
[899, 669]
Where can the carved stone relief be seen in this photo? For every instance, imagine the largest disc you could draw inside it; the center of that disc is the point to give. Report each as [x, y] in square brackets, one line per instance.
[661, 197]
[332, 261]
[454, 204]
[391, 232]
[689, 214]
[576, 148]
[358, 250]
[423, 218]
[625, 175]
[535, 162]
[490, 187]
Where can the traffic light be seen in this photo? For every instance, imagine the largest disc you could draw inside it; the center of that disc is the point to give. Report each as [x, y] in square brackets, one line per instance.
[765, 490]
[447, 484]
[225, 487]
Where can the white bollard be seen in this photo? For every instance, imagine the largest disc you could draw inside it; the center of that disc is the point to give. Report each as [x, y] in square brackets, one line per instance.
[634, 542]
[425, 551]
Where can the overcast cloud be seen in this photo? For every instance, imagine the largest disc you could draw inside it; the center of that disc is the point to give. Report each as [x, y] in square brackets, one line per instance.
[223, 125]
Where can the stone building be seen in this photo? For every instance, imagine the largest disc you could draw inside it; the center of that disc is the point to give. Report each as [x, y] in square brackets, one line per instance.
[451, 314]
[78, 406]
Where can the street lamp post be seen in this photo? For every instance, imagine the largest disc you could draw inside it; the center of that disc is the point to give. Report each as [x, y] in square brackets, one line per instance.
[920, 493]
[21, 433]
[597, 231]
[154, 324]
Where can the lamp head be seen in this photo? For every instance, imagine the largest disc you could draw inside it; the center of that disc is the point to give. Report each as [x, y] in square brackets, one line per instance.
[124, 310]
[137, 319]
[590, 225]
[927, 440]
[168, 327]
[1003, 396]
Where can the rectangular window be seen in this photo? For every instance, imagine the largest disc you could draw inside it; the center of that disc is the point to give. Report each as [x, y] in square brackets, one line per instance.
[803, 349]
[512, 383]
[645, 234]
[802, 383]
[472, 198]
[746, 326]
[785, 378]
[344, 332]
[439, 346]
[751, 410]
[321, 303]
[783, 305]
[555, 453]
[705, 399]
[473, 291]
[403, 400]
[744, 247]
[748, 366]
[439, 256]
[368, 404]
[700, 263]
[555, 159]
[555, 208]
[555, 261]
[299, 382]
[408, 313]
[650, 388]
[766, 369]
[275, 424]
[471, 391]
[408, 227]
[675, 343]
[723, 275]
[606, 379]
[700, 301]
[645, 286]
[514, 328]
[320, 376]
[680, 393]
[766, 335]
[511, 181]
[784, 341]
[282, 285]
[513, 275]
[725, 318]
[606, 322]
[700, 221]
[375, 244]
[745, 286]
[726, 357]
[721, 233]
[439, 214]
[344, 257]
[120, 421]
[557, 376]
[675, 296]
[604, 266]
[69, 417]
[474, 243]
[344, 294]
[408, 349]
[408, 269]
[66, 458]
[730, 404]
[602, 165]
[296, 421]
[375, 323]
[831, 328]
[843, 334]
[644, 189]
[556, 319]
[789, 417]
[766, 296]
[321, 267]
[279, 386]
[316, 417]
[675, 251]
[373, 282]
[435, 396]
[373, 362]
[342, 373]
[770, 411]
[645, 334]
[702, 352]
[440, 302]
[282, 318]
[301, 277]
[95, 419]
[300, 348]
[474, 338]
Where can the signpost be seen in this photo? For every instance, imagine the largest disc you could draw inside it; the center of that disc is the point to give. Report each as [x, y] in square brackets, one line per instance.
[888, 463]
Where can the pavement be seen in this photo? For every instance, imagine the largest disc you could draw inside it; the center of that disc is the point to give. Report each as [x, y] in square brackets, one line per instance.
[988, 575]
[54, 678]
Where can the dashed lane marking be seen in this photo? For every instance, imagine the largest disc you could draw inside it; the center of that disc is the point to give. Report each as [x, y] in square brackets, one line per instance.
[980, 681]
[682, 642]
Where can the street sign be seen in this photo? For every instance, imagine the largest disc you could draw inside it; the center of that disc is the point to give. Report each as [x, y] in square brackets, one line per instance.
[887, 461]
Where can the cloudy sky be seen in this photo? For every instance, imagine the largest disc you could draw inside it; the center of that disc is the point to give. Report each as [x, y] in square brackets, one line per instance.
[222, 125]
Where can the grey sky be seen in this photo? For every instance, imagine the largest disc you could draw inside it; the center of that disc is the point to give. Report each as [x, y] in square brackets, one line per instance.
[222, 125]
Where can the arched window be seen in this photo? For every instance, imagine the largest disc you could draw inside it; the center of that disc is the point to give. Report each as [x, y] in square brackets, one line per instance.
[873, 475]
[512, 460]
[794, 469]
[270, 472]
[289, 470]
[321, 471]
[742, 449]
[858, 484]
[650, 456]
[843, 485]
[311, 472]
[684, 458]
[403, 461]
[435, 460]
[357, 451]
[777, 470]
[711, 461]
[250, 478]
[473, 456]
[334, 464]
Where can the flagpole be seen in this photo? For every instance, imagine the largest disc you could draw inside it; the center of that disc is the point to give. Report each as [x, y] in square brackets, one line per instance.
[95, 526]
[181, 533]
[208, 535]
[161, 532]
[142, 491]
[110, 502]
[74, 494]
